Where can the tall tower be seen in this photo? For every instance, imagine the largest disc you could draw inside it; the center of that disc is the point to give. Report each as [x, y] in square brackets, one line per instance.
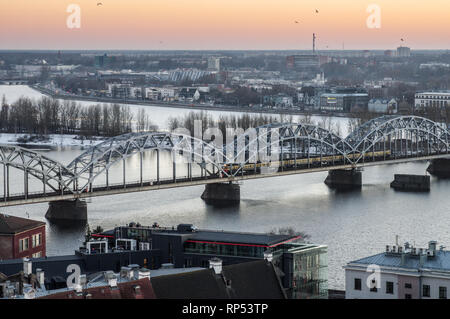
[314, 43]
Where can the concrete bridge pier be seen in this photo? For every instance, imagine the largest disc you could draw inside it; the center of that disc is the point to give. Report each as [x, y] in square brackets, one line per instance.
[440, 167]
[67, 212]
[222, 194]
[343, 179]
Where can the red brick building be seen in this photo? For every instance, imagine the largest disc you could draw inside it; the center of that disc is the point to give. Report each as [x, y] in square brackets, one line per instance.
[21, 237]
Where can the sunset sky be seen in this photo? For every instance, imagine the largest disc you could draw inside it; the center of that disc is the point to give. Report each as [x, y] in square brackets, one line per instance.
[220, 24]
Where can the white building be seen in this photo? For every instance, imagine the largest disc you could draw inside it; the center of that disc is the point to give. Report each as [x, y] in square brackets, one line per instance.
[400, 273]
[435, 98]
[403, 52]
[214, 64]
[383, 106]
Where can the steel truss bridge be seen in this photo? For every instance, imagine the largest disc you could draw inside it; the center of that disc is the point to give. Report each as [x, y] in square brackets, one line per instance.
[271, 150]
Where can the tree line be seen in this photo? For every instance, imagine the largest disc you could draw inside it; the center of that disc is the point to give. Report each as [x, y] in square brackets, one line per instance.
[50, 116]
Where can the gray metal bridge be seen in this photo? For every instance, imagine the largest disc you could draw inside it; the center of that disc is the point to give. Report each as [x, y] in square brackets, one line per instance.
[271, 150]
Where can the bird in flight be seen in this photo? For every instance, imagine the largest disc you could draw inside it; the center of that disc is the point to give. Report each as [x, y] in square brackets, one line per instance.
[402, 40]
[317, 11]
[99, 4]
[296, 21]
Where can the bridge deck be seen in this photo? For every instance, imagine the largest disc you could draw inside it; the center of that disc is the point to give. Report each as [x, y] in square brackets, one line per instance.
[195, 181]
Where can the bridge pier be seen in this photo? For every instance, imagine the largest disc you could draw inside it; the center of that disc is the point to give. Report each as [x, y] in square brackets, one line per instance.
[440, 167]
[67, 212]
[416, 183]
[343, 179]
[222, 194]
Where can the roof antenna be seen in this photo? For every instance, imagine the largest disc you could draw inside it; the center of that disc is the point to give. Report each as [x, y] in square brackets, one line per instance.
[396, 240]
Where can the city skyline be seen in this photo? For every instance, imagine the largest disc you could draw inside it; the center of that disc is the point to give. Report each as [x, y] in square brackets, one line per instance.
[201, 25]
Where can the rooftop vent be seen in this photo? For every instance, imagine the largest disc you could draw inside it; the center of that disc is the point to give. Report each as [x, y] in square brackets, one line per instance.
[216, 264]
[111, 279]
[144, 273]
[27, 266]
[268, 255]
[125, 272]
[40, 277]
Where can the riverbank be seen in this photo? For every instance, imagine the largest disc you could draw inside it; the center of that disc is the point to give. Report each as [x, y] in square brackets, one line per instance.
[48, 141]
[191, 106]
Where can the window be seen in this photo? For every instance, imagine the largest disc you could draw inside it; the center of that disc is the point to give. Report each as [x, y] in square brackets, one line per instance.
[37, 255]
[24, 244]
[357, 284]
[408, 296]
[36, 240]
[442, 292]
[389, 287]
[374, 289]
[425, 291]
[408, 285]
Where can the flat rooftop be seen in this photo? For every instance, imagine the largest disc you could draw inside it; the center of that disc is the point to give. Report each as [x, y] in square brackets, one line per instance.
[264, 240]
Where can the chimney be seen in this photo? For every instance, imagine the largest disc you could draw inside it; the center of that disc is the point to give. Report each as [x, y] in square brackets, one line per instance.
[28, 291]
[134, 271]
[268, 255]
[40, 277]
[82, 283]
[125, 273]
[144, 273]
[27, 266]
[111, 278]
[216, 264]
[432, 246]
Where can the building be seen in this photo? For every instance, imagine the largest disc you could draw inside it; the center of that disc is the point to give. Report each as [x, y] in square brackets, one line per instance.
[251, 280]
[214, 64]
[279, 100]
[302, 266]
[101, 61]
[189, 94]
[383, 106]
[400, 273]
[432, 99]
[403, 52]
[299, 62]
[344, 101]
[21, 237]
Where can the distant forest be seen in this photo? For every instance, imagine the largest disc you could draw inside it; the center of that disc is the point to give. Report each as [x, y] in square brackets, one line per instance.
[50, 116]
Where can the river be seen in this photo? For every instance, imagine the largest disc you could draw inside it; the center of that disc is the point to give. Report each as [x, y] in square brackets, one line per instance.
[352, 224]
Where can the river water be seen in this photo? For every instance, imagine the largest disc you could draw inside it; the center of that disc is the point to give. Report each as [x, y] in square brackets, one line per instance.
[352, 224]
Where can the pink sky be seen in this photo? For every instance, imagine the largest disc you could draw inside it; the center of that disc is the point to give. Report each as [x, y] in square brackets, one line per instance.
[218, 24]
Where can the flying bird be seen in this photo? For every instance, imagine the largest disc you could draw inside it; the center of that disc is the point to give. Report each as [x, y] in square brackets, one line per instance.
[402, 40]
[99, 4]
[296, 21]
[317, 11]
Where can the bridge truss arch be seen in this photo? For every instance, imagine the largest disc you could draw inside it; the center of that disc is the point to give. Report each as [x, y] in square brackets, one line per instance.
[98, 159]
[403, 136]
[291, 141]
[50, 172]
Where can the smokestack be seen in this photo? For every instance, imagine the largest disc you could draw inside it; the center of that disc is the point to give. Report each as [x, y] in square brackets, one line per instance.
[314, 43]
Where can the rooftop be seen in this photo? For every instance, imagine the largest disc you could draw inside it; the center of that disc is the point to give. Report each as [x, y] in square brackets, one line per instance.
[11, 225]
[410, 258]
